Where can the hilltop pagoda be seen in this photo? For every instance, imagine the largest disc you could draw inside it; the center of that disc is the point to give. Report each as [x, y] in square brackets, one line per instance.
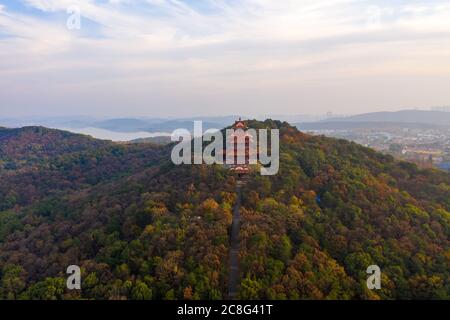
[242, 142]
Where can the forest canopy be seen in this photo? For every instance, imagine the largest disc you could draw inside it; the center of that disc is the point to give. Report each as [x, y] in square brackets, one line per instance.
[142, 228]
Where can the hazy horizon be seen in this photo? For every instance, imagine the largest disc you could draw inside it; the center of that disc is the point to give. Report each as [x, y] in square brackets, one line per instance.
[212, 116]
[166, 58]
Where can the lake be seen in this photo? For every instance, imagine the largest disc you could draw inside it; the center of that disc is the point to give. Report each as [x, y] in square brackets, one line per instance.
[115, 136]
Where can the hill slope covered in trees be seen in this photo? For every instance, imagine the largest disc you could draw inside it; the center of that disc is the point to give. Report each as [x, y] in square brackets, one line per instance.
[142, 228]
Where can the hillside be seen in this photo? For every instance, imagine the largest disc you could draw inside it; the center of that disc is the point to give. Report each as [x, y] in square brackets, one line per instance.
[33, 145]
[36, 162]
[142, 228]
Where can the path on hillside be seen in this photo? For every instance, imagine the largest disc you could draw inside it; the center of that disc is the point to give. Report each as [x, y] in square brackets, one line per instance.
[233, 275]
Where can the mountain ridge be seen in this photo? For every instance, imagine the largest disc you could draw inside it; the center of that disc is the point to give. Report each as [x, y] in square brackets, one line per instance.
[159, 231]
[431, 117]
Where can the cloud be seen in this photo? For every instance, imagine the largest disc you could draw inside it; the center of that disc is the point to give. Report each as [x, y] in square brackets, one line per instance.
[175, 53]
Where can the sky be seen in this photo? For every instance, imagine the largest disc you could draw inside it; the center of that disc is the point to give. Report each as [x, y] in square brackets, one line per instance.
[158, 58]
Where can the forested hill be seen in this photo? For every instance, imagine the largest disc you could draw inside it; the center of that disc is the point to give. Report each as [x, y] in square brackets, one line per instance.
[34, 145]
[142, 228]
[36, 162]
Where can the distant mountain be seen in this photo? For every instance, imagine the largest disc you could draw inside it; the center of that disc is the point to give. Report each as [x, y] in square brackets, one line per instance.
[171, 125]
[123, 125]
[161, 140]
[168, 125]
[134, 125]
[298, 118]
[404, 116]
[142, 228]
[49, 122]
[348, 125]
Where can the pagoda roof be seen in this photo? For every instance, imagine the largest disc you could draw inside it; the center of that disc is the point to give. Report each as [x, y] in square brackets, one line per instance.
[240, 124]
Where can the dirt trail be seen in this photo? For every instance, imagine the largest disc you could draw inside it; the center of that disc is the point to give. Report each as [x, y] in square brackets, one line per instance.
[233, 278]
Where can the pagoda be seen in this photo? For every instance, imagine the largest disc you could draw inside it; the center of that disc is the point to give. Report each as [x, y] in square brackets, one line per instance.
[242, 142]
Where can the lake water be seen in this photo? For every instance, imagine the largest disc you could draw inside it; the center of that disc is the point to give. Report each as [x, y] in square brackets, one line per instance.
[115, 136]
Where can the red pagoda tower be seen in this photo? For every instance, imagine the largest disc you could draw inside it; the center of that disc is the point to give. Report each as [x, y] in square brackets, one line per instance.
[242, 142]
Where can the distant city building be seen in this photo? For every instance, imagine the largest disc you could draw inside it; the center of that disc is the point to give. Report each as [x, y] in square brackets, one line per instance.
[427, 147]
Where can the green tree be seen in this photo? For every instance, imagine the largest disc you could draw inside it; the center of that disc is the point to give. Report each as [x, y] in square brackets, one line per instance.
[140, 291]
[13, 281]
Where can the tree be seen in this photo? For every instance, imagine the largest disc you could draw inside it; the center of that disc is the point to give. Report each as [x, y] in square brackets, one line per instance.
[49, 289]
[140, 291]
[13, 281]
[250, 289]
[188, 293]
